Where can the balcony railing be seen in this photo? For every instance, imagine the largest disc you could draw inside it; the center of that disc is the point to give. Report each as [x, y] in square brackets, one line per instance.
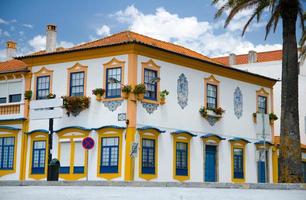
[11, 110]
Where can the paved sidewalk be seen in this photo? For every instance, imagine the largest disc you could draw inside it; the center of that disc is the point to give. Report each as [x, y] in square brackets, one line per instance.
[143, 193]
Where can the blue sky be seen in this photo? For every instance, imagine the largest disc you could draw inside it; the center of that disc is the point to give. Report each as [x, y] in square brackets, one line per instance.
[188, 23]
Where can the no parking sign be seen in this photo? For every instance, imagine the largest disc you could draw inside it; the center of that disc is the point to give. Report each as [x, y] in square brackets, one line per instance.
[88, 143]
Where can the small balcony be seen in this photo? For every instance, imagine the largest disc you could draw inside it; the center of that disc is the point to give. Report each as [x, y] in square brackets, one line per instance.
[11, 110]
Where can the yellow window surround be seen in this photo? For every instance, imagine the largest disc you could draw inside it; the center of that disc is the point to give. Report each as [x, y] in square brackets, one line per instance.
[113, 63]
[38, 136]
[14, 134]
[77, 68]
[264, 93]
[150, 64]
[106, 133]
[213, 81]
[152, 135]
[185, 138]
[238, 145]
[43, 72]
[71, 134]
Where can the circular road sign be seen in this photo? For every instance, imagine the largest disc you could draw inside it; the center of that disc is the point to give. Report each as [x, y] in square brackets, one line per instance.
[88, 143]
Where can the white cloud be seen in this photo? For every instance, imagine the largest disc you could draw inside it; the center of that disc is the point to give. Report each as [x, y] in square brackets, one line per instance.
[28, 25]
[3, 55]
[103, 31]
[6, 33]
[2, 21]
[189, 31]
[38, 43]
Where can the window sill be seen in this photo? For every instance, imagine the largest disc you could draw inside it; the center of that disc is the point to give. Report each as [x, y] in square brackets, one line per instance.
[150, 101]
[112, 99]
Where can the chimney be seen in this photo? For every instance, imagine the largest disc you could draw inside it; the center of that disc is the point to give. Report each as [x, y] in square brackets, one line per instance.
[51, 38]
[232, 59]
[10, 50]
[252, 57]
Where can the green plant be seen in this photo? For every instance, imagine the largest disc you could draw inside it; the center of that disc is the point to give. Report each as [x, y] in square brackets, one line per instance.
[74, 105]
[218, 111]
[98, 91]
[28, 94]
[51, 96]
[273, 117]
[127, 89]
[203, 112]
[139, 89]
[163, 94]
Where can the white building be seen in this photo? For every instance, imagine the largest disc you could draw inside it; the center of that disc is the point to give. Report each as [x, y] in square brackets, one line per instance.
[175, 142]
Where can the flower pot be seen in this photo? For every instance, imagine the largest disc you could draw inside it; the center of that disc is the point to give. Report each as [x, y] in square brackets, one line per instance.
[98, 97]
[140, 97]
[162, 101]
[255, 118]
[271, 122]
[125, 95]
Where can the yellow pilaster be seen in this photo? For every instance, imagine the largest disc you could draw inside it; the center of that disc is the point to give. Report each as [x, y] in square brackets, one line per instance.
[275, 164]
[131, 117]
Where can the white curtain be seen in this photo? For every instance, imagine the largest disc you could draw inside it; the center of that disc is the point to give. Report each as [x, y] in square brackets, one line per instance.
[79, 154]
[65, 154]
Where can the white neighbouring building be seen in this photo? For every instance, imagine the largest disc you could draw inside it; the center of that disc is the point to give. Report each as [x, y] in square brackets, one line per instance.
[269, 63]
[175, 143]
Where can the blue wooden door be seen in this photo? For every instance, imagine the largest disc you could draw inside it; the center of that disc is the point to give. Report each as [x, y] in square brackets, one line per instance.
[261, 172]
[210, 164]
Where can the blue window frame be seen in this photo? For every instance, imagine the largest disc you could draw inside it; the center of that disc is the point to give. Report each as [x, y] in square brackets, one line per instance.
[7, 145]
[211, 96]
[151, 87]
[38, 157]
[148, 156]
[14, 98]
[238, 163]
[42, 87]
[77, 84]
[64, 170]
[109, 155]
[113, 90]
[262, 104]
[2, 99]
[182, 158]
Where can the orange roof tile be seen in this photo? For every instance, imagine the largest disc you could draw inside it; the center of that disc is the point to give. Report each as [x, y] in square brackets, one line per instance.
[11, 66]
[131, 37]
[261, 57]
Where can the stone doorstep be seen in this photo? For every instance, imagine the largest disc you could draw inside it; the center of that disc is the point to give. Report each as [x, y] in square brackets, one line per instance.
[280, 186]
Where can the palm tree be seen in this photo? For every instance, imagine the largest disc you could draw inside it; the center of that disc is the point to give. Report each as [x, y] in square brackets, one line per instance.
[302, 43]
[289, 11]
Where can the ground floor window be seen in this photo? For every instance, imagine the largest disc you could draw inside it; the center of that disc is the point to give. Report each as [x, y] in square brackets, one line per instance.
[182, 158]
[148, 156]
[109, 155]
[38, 159]
[210, 163]
[238, 163]
[7, 146]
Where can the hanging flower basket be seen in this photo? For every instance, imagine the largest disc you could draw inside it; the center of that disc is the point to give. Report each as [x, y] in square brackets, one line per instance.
[75, 105]
[272, 117]
[99, 92]
[216, 113]
[163, 95]
[126, 90]
[139, 91]
[51, 96]
[28, 95]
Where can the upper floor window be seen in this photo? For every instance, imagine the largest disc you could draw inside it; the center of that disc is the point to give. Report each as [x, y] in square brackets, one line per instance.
[262, 104]
[211, 96]
[7, 146]
[113, 88]
[42, 87]
[148, 156]
[77, 84]
[39, 156]
[10, 91]
[109, 155]
[182, 158]
[150, 77]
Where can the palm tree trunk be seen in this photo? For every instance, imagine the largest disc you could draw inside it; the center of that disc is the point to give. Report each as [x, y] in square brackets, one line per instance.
[290, 148]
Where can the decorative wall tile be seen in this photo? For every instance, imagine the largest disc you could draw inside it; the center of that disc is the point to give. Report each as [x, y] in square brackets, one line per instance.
[182, 91]
[112, 105]
[212, 120]
[238, 102]
[150, 107]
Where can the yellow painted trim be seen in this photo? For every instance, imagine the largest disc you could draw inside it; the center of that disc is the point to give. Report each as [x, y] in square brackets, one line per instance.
[238, 145]
[24, 146]
[275, 164]
[183, 137]
[11, 133]
[39, 136]
[212, 81]
[153, 135]
[113, 63]
[213, 138]
[62, 135]
[264, 93]
[150, 64]
[106, 133]
[77, 68]
[43, 72]
[11, 122]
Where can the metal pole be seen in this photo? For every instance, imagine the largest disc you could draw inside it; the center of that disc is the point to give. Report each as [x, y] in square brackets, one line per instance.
[264, 143]
[87, 166]
[50, 137]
